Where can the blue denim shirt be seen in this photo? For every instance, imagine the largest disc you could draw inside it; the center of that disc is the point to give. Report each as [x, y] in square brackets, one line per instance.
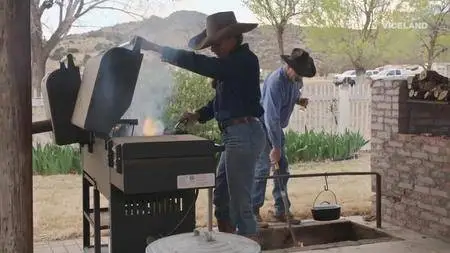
[279, 96]
[237, 81]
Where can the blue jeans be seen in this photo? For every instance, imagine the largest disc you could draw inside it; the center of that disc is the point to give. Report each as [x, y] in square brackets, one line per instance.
[263, 169]
[235, 175]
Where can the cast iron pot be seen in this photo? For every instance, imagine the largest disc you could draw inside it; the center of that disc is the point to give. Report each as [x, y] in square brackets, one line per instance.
[326, 211]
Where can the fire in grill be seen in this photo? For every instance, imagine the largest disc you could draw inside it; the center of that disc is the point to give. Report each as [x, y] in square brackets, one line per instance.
[151, 179]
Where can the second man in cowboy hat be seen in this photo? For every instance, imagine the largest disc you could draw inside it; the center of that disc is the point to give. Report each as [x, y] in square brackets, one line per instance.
[235, 106]
[281, 92]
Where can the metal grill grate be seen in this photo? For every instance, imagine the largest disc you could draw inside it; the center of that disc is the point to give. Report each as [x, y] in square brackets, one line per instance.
[157, 207]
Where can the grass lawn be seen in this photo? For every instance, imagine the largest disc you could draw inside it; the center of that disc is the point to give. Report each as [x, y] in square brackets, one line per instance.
[58, 204]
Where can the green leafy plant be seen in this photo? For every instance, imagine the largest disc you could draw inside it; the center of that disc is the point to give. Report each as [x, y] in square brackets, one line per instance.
[51, 159]
[320, 146]
[192, 91]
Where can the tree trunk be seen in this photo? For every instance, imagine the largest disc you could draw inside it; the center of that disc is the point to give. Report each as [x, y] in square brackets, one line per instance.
[280, 32]
[16, 200]
[431, 50]
[38, 54]
[38, 72]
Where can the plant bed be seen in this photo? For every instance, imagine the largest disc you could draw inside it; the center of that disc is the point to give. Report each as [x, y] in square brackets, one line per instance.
[321, 235]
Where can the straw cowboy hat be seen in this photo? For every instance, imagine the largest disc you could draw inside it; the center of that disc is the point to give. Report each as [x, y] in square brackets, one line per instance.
[301, 62]
[219, 26]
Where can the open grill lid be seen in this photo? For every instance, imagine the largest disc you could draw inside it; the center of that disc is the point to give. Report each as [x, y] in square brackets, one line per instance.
[107, 89]
[94, 103]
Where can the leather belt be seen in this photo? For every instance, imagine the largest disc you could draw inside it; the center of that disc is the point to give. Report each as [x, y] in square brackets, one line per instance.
[231, 122]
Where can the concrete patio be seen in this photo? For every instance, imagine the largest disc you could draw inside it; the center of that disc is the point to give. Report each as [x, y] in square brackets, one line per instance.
[411, 242]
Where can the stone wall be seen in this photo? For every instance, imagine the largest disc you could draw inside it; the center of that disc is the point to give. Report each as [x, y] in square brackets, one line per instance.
[415, 169]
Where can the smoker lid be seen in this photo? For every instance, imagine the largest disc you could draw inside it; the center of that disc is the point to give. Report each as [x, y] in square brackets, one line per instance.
[107, 89]
[164, 146]
[198, 243]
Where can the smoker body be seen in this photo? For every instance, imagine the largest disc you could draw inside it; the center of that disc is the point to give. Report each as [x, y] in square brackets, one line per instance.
[151, 182]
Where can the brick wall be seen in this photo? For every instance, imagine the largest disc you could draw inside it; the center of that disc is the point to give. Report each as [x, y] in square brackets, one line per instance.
[415, 169]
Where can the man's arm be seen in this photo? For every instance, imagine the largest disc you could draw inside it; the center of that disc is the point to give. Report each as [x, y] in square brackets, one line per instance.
[213, 67]
[299, 100]
[206, 113]
[272, 108]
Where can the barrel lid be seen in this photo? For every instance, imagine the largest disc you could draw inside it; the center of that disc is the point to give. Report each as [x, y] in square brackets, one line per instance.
[204, 242]
[326, 207]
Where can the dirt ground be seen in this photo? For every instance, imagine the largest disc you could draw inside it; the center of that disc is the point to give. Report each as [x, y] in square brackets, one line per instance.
[57, 199]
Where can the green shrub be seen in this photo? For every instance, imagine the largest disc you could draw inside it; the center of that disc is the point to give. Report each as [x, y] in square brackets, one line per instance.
[51, 159]
[191, 92]
[320, 146]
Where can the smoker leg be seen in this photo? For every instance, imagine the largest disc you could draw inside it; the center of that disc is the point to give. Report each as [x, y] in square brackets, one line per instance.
[86, 207]
[97, 238]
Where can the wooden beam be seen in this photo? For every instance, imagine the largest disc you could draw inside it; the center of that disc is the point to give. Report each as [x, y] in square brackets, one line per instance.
[41, 126]
[16, 199]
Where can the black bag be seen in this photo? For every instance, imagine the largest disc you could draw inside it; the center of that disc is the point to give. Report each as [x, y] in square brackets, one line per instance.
[60, 95]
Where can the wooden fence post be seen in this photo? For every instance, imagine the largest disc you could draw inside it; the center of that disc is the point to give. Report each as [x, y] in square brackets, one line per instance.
[16, 199]
[343, 108]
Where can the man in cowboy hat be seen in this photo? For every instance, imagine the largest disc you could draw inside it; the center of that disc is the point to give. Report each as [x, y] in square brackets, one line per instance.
[235, 106]
[281, 92]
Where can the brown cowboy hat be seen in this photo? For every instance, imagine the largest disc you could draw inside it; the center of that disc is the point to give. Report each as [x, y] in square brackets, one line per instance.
[219, 26]
[301, 62]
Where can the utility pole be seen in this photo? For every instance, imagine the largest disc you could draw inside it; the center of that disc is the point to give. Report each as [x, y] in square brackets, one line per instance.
[16, 199]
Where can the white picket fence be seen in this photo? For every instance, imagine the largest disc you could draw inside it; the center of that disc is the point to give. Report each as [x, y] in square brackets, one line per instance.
[331, 108]
[334, 109]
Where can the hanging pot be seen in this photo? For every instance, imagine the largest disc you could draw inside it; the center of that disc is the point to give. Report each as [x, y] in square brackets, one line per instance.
[326, 211]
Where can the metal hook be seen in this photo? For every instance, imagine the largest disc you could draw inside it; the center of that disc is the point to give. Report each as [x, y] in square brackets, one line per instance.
[326, 183]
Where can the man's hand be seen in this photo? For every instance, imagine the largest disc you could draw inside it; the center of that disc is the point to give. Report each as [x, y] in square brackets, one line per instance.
[190, 117]
[303, 102]
[275, 155]
[146, 45]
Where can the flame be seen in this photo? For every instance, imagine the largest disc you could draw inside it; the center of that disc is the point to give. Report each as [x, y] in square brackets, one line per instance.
[152, 127]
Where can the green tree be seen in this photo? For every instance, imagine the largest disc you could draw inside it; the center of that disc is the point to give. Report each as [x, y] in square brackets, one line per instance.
[192, 91]
[435, 39]
[351, 27]
[279, 13]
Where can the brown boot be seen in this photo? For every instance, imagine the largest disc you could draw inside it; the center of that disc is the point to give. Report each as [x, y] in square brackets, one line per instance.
[225, 226]
[259, 220]
[282, 218]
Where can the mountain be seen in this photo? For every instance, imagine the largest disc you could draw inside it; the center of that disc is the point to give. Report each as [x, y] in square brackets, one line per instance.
[175, 30]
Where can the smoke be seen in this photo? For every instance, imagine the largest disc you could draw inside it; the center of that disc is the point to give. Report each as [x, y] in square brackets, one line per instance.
[154, 88]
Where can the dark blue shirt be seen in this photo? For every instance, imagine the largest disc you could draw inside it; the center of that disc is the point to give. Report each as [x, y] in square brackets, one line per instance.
[238, 91]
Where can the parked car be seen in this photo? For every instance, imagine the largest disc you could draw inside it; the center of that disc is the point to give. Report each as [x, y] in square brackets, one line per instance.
[347, 75]
[391, 74]
[415, 69]
[371, 72]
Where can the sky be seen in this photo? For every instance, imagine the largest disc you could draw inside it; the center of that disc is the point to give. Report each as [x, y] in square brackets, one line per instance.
[98, 19]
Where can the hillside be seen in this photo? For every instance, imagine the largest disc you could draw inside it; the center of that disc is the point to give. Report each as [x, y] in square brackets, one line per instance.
[174, 31]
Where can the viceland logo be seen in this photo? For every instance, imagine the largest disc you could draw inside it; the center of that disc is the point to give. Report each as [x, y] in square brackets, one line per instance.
[405, 25]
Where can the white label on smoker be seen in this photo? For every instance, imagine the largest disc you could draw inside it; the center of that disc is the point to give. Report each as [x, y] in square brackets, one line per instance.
[196, 181]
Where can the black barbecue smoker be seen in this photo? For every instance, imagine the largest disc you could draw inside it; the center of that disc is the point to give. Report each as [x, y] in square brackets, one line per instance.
[151, 182]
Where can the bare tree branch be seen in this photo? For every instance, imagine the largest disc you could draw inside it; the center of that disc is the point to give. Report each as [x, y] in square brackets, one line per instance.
[278, 13]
